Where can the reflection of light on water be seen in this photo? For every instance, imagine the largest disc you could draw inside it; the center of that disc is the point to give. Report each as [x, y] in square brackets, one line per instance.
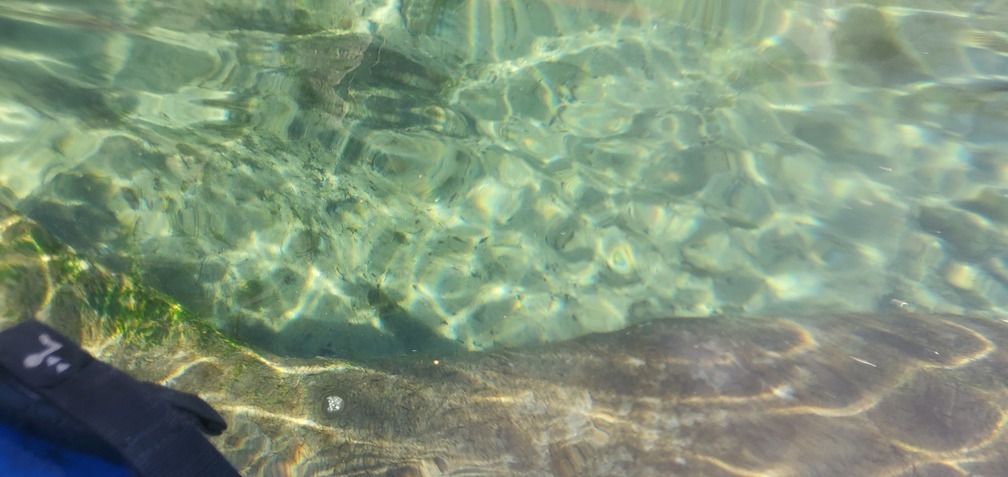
[809, 27]
[621, 259]
[600, 122]
[793, 287]
[621, 9]
[493, 202]
[494, 293]
[619, 254]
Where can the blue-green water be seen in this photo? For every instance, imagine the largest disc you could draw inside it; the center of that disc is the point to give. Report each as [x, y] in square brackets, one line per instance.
[361, 178]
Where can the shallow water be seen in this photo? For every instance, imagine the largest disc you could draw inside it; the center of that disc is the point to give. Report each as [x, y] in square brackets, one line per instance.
[377, 177]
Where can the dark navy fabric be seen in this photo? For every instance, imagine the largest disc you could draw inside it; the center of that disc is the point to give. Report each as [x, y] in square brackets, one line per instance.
[54, 389]
[24, 455]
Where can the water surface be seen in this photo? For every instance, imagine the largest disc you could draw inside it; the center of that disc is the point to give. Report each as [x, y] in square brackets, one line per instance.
[363, 178]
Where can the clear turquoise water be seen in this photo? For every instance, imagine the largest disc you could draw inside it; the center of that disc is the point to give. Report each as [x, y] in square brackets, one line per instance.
[361, 178]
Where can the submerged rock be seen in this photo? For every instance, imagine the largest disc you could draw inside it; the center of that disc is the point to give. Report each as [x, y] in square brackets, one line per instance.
[894, 394]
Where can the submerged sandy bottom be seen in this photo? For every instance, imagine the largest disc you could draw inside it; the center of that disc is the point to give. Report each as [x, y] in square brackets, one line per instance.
[512, 172]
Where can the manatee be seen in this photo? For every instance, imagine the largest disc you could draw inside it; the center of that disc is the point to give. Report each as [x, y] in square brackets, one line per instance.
[895, 394]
